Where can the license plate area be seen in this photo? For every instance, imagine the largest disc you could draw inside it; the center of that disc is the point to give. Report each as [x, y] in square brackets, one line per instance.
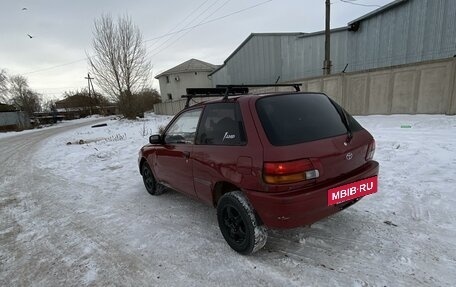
[352, 190]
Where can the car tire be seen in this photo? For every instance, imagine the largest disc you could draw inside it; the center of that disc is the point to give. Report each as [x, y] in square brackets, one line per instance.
[150, 183]
[239, 224]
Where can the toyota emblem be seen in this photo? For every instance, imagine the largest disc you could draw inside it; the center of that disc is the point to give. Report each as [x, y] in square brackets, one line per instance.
[349, 156]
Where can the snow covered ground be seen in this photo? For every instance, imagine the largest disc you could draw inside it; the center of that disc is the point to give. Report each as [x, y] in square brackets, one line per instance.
[59, 124]
[92, 222]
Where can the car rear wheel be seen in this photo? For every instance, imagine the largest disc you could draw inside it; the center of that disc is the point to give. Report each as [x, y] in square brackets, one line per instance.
[239, 224]
[149, 180]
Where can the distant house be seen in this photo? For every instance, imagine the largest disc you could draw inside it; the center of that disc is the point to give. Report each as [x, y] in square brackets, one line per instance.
[80, 106]
[12, 119]
[174, 82]
[190, 74]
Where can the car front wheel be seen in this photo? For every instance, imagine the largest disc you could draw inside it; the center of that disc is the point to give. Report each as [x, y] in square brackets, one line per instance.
[149, 180]
[239, 224]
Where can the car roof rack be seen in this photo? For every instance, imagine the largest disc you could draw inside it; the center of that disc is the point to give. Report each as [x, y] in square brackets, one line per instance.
[229, 90]
[213, 92]
[296, 86]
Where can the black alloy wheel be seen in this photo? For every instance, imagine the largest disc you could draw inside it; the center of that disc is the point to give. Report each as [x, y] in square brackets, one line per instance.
[239, 223]
[149, 179]
[234, 224]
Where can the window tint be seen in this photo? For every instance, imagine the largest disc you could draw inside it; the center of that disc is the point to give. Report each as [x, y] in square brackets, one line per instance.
[182, 130]
[297, 118]
[221, 124]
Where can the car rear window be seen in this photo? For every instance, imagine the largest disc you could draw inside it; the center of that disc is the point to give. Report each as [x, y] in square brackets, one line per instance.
[302, 117]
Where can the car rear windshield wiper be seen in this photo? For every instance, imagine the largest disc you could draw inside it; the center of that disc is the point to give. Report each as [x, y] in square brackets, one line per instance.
[347, 126]
[344, 117]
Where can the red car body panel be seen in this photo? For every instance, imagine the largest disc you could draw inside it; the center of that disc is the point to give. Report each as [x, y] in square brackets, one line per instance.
[175, 168]
[305, 206]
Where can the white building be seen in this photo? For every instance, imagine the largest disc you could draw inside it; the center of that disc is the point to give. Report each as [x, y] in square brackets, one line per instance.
[190, 74]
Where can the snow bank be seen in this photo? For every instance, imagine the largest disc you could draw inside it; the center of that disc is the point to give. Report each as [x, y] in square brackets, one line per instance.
[108, 152]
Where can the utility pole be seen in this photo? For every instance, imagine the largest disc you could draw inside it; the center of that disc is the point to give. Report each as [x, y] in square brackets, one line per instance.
[89, 84]
[327, 62]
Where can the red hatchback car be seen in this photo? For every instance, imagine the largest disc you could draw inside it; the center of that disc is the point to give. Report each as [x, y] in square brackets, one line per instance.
[276, 160]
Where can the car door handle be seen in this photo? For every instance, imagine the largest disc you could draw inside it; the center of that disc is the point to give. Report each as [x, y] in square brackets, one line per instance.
[186, 154]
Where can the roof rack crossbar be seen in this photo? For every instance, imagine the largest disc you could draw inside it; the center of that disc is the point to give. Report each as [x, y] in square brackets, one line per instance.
[296, 86]
[213, 92]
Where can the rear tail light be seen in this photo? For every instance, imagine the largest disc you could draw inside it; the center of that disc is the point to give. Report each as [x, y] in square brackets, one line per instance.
[370, 151]
[289, 172]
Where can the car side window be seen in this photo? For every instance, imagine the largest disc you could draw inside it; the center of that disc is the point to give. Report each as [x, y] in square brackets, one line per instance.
[221, 124]
[183, 129]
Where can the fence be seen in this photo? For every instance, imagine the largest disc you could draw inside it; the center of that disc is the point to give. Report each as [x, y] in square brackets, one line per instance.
[13, 121]
[420, 88]
[173, 107]
[169, 108]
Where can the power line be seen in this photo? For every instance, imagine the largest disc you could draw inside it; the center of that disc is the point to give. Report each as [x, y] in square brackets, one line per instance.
[59, 88]
[185, 19]
[162, 36]
[193, 20]
[210, 21]
[172, 43]
[54, 67]
[359, 4]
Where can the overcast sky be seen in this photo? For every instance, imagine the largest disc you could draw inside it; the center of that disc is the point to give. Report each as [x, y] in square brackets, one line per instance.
[62, 32]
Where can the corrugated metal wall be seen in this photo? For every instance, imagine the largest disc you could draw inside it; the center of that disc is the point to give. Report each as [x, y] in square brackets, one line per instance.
[306, 54]
[259, 61]
[13, 121]
[414, 31]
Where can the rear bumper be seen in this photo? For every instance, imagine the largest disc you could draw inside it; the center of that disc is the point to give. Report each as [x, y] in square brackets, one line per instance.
[303, 207]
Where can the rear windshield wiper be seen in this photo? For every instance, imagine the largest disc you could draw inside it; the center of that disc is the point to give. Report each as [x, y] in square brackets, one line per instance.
[347, 126]
[344, 117]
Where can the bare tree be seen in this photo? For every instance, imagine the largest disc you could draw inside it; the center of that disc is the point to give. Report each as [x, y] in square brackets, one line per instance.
[147, 98]
[120, 64]
[22, 96]
[48, 105]
[3, 86]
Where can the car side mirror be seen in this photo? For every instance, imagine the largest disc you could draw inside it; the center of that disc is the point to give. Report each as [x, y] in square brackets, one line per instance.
[155, 139]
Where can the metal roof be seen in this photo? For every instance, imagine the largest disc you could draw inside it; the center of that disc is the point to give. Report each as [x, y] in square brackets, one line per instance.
[192, 65]
[334, 30]
[379, 10]
[248, 39]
